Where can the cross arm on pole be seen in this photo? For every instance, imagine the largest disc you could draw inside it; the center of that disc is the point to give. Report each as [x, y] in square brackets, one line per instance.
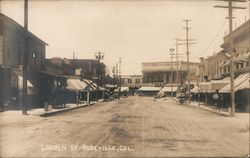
[234, 7]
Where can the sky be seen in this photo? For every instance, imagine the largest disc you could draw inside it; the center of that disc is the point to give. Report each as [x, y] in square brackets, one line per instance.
[136, 30]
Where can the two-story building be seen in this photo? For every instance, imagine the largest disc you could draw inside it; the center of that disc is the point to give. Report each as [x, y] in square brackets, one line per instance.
[166, 72]
[12, 41]
[241, 42]
[211, 68]
[90, 69]
[131, 80]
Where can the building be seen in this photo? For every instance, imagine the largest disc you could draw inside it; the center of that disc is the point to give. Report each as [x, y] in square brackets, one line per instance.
[59, 66]
[12, 39]
[210, 68]
[216, 70]
[241, 41]
[131, 80]
[90, 69]
[159, 73]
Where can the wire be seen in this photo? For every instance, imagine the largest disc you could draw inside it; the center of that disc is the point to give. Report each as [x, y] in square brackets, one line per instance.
[210, 44]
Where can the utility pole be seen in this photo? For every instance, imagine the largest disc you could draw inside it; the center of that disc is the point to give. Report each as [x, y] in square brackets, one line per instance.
[177, 61]
[187, 45]
[171, 69]
[120, 76]
[116, 74]
[99, 56]
[25, 60]
[230, 7]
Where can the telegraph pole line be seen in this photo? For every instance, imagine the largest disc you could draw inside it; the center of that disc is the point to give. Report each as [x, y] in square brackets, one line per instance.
[187, 28]
[177, 61]
[120, 76]
[99, 56]
[25, 60]
[230, 7]
[116, 74]
[171, 69]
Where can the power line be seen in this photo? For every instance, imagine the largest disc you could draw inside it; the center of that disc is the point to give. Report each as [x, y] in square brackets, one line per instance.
[213, 40]
[187, 28]
[231, 109]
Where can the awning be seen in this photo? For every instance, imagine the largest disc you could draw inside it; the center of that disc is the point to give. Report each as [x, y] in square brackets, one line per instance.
[242, 57]
[91, 84]
[168, 89]
[195, 89]
[76, 84]
[123, 89]
[218, 84]
[244, 85]
[150, 89]
[204, 86]
[30, 88]
[237, 83]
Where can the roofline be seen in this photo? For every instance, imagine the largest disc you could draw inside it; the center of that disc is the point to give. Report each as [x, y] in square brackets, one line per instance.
[29, 33]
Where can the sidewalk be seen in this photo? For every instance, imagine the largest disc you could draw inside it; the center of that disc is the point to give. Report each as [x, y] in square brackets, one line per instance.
[43, 113]
[223, 112]
[208, 108]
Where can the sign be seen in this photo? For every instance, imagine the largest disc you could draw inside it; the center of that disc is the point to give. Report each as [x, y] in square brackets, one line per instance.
[216, 96]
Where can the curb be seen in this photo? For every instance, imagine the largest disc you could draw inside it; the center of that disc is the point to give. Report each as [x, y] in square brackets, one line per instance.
[206, 109]
[210, 110]
[52, 113]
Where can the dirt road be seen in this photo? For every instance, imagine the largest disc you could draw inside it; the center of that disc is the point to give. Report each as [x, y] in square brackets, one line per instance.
[134, 126]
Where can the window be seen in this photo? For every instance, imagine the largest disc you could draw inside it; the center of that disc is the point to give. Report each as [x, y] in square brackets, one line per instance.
[8, 53]
[34, 55]
[129, 80]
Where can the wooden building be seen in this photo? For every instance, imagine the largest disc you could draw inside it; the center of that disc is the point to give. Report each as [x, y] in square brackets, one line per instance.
[12, 40]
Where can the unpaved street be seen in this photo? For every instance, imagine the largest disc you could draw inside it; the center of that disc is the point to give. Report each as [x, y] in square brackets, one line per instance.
[134, 126]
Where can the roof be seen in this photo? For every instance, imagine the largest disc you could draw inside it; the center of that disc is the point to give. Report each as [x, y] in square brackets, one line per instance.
[149, 89]
[8, 19]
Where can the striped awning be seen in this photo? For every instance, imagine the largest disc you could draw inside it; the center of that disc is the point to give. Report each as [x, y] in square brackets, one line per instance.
[76, 84]
[149, 89]
[240, 82]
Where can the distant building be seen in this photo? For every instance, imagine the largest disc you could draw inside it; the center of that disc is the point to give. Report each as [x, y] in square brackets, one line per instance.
[89, 69]
[131, 80]
[210, 68]
[159, 73]
[12, 39]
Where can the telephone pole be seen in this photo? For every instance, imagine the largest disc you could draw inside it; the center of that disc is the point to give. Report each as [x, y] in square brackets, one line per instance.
[187, 28]
[25, 60]
[230, 7]
[120, 76]
[177, 61]
[116, 74]
[171, 69]
[99, 56]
